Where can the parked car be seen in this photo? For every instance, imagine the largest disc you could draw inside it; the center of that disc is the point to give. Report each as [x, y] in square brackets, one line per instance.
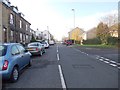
[36, 48]
[68, 42]
[13, 58]
[51, 42]
[45, 44]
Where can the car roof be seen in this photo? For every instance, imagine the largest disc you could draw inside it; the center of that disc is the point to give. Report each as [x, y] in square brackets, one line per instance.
[8, 43]
[34, 42]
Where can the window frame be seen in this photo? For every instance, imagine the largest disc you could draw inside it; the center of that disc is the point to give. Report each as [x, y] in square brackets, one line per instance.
[13, 49]
[11, 18]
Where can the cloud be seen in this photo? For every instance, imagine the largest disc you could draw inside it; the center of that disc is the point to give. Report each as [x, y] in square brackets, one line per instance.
[91, 21]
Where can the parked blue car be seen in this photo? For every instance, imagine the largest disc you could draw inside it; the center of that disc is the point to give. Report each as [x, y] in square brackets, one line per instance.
[13, 58]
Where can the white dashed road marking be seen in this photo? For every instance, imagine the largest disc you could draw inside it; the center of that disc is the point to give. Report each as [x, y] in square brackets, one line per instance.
[113, 65]
[101, 59]
[58, 58]
[60, 72]
[105, 60]
[62, 78]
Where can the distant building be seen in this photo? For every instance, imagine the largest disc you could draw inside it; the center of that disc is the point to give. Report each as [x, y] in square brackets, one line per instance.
[76, 34]
[91, 33]
[33, 32]
[13, 26]
[44, 35]
[114, 30]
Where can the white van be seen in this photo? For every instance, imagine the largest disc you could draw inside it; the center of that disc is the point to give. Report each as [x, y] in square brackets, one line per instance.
[51, 42]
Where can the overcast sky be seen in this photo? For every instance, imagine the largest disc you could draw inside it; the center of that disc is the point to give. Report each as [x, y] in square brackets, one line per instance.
[59, 17]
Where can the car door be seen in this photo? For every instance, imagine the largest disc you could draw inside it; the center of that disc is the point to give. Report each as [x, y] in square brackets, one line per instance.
[16, 57]
[40, 46]
[24, 55]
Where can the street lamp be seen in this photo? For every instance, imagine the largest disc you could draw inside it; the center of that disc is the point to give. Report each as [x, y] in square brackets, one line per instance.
[74, 20]
[48, 33]
[74, 16]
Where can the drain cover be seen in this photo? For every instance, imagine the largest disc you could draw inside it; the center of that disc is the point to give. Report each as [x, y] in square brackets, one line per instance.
[82, 66]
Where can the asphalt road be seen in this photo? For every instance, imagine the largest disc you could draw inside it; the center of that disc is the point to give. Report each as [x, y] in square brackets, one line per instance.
[68, 67]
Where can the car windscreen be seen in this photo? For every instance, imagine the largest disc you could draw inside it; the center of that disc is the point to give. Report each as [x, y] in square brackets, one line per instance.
[33, 44]
[43, 42]
[3, 50]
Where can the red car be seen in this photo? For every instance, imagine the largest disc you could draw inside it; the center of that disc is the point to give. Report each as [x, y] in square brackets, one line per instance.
[68, 42]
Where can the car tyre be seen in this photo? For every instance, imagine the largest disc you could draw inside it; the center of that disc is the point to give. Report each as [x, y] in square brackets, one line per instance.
[30, 63]
[44, 51]
[14, 75]
[41, 53]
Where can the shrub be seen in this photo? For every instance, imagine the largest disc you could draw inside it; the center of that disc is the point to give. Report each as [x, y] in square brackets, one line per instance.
[112, 40]
[92, 41]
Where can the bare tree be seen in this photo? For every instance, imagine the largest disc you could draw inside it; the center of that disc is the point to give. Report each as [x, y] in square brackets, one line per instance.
[110, 19]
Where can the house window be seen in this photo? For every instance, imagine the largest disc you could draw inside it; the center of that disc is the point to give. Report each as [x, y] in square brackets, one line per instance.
[26, 27]
[27, 38]
[11, 36]
[20, 37]
[23, 37]
[45, 35]
[11, 19]
[20, 24]
[5, 34]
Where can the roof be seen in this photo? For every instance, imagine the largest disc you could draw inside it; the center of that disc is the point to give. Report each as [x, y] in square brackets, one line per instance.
[8, 43]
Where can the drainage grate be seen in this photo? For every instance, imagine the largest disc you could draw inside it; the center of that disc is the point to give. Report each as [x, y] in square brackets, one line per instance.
[82, 66]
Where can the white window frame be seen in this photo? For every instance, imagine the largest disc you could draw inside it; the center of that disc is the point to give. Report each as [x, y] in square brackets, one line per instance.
[26, 27]
[21, 39]
[12, 35]
[11, 19]
[20, 23]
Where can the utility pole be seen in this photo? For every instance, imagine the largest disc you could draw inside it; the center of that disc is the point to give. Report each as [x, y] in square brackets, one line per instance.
[73, 17]
[48, 33]
[73, 20]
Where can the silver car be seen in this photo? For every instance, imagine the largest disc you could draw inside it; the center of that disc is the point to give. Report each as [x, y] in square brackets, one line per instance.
[45, 44]
[36, 48]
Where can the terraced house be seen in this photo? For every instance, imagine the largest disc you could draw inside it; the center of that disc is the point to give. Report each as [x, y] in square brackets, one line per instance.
[13, 26]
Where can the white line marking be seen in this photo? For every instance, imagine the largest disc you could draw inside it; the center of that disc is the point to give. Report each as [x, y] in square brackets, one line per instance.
[112, 61]
[101, 59]
[62, 78]
[106, 61]
[58, 58]
[113, 65]
[57, 50]
[97, 57]
[57, 47]
[118, 63]
[118, 67]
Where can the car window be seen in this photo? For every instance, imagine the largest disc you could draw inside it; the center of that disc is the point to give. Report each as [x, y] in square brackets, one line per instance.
[14, 50]
[21, 48]
[3, 50]
[43, 42]
[33, 44]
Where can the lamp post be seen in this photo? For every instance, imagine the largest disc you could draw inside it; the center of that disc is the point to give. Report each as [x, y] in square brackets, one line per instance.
[48, 33]
[74, 20]
[74, 17]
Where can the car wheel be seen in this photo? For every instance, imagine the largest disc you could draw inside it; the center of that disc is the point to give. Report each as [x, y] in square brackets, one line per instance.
[41, 53]
[14, 75]
[30, 63]
[44, 50]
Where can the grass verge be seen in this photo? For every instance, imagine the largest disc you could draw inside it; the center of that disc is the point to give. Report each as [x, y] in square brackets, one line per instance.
[98, 46]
